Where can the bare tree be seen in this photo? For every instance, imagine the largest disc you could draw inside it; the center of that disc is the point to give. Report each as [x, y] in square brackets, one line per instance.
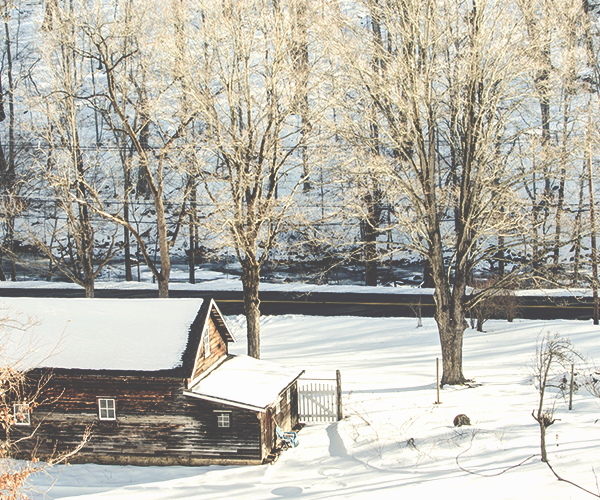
[20, 395]
[552, 353]
[66, 169]
[155, 126]
[253, 103]
[554, 357]
[590, 145]
[539, 26]
[445, 106]
[488, 301]
[15, 141]
[556, 39]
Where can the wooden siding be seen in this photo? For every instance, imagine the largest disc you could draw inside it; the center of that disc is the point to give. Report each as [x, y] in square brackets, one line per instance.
[218, 349]
[156, 423]
[267, 438]
[287, 418]
[78, 393]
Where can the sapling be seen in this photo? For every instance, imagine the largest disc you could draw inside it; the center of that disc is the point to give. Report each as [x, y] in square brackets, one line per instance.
[553, 351]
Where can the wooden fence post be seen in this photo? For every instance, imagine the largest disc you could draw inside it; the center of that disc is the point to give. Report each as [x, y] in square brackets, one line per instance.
[340, 410]
[571, 388]
[437, 380]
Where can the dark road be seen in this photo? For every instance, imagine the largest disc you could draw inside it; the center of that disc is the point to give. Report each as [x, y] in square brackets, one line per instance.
[332, 304]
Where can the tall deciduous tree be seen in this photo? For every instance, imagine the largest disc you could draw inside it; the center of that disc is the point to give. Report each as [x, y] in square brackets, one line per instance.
[445, 107]
[590, 134]
[66, 170]
[154, 129]
[256, 90]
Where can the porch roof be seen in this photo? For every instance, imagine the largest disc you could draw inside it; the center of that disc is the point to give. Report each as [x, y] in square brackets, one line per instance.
[245, 381]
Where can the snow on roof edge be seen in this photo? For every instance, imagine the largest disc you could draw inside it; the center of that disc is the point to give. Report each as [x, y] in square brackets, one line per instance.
[225, 401]
[246, 381]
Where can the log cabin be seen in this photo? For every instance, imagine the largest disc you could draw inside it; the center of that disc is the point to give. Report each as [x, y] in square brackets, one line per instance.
[154, 380]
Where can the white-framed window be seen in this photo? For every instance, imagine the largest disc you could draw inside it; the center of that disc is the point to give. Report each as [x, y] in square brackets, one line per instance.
[206, 343]
[223, 420]
[22, 414]
[278, 406]
[288, 395]
[106, 409]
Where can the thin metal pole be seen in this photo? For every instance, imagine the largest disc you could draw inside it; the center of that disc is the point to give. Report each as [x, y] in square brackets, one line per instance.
[437, 379]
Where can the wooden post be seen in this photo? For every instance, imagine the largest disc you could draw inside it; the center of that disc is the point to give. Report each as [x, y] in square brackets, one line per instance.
[340, 409]
[571, 388]
[437, 380]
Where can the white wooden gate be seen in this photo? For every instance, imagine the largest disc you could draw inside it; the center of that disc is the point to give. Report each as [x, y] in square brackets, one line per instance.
[319, 400]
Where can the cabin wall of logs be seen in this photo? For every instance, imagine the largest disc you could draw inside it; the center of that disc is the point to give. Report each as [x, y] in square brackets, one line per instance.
[154, 423]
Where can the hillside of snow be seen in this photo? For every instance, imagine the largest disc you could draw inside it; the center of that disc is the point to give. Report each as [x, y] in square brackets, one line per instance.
[395, 442]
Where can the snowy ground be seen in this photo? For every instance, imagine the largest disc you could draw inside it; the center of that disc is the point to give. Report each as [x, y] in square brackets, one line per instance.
[395, 442]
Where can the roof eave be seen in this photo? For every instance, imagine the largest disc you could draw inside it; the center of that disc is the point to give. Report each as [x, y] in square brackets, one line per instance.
[227, 402]
[224, 324]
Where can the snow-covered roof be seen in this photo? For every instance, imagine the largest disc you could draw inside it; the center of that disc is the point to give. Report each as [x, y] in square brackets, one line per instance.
[97, 334]
[246, 382]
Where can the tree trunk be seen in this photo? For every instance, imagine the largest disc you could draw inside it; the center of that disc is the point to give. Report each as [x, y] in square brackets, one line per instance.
[163, 245]
[427, 275]
[543, 441]
[163, 288]
[250, 284]
[370, 264]
[2, 275]
[480, 321]
[193, 238]
[127, 249]
[49, 15]
[370, 254]
[10, 233]
[89, 290]
[192, 257]
[450, 317]
[142, 187]
[451, 339]
[126, 238]
[370, 232]
[593, 237]
[10, 166]
[301, 63]
[561, 194]
[450, 314]
[578, 227]
[500, 257]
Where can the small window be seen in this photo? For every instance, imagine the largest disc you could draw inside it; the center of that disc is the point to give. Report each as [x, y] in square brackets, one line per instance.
[106, 409]
[288, 396]
[223, 420]
[206, 343]
[278, 406]
[22, 414]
